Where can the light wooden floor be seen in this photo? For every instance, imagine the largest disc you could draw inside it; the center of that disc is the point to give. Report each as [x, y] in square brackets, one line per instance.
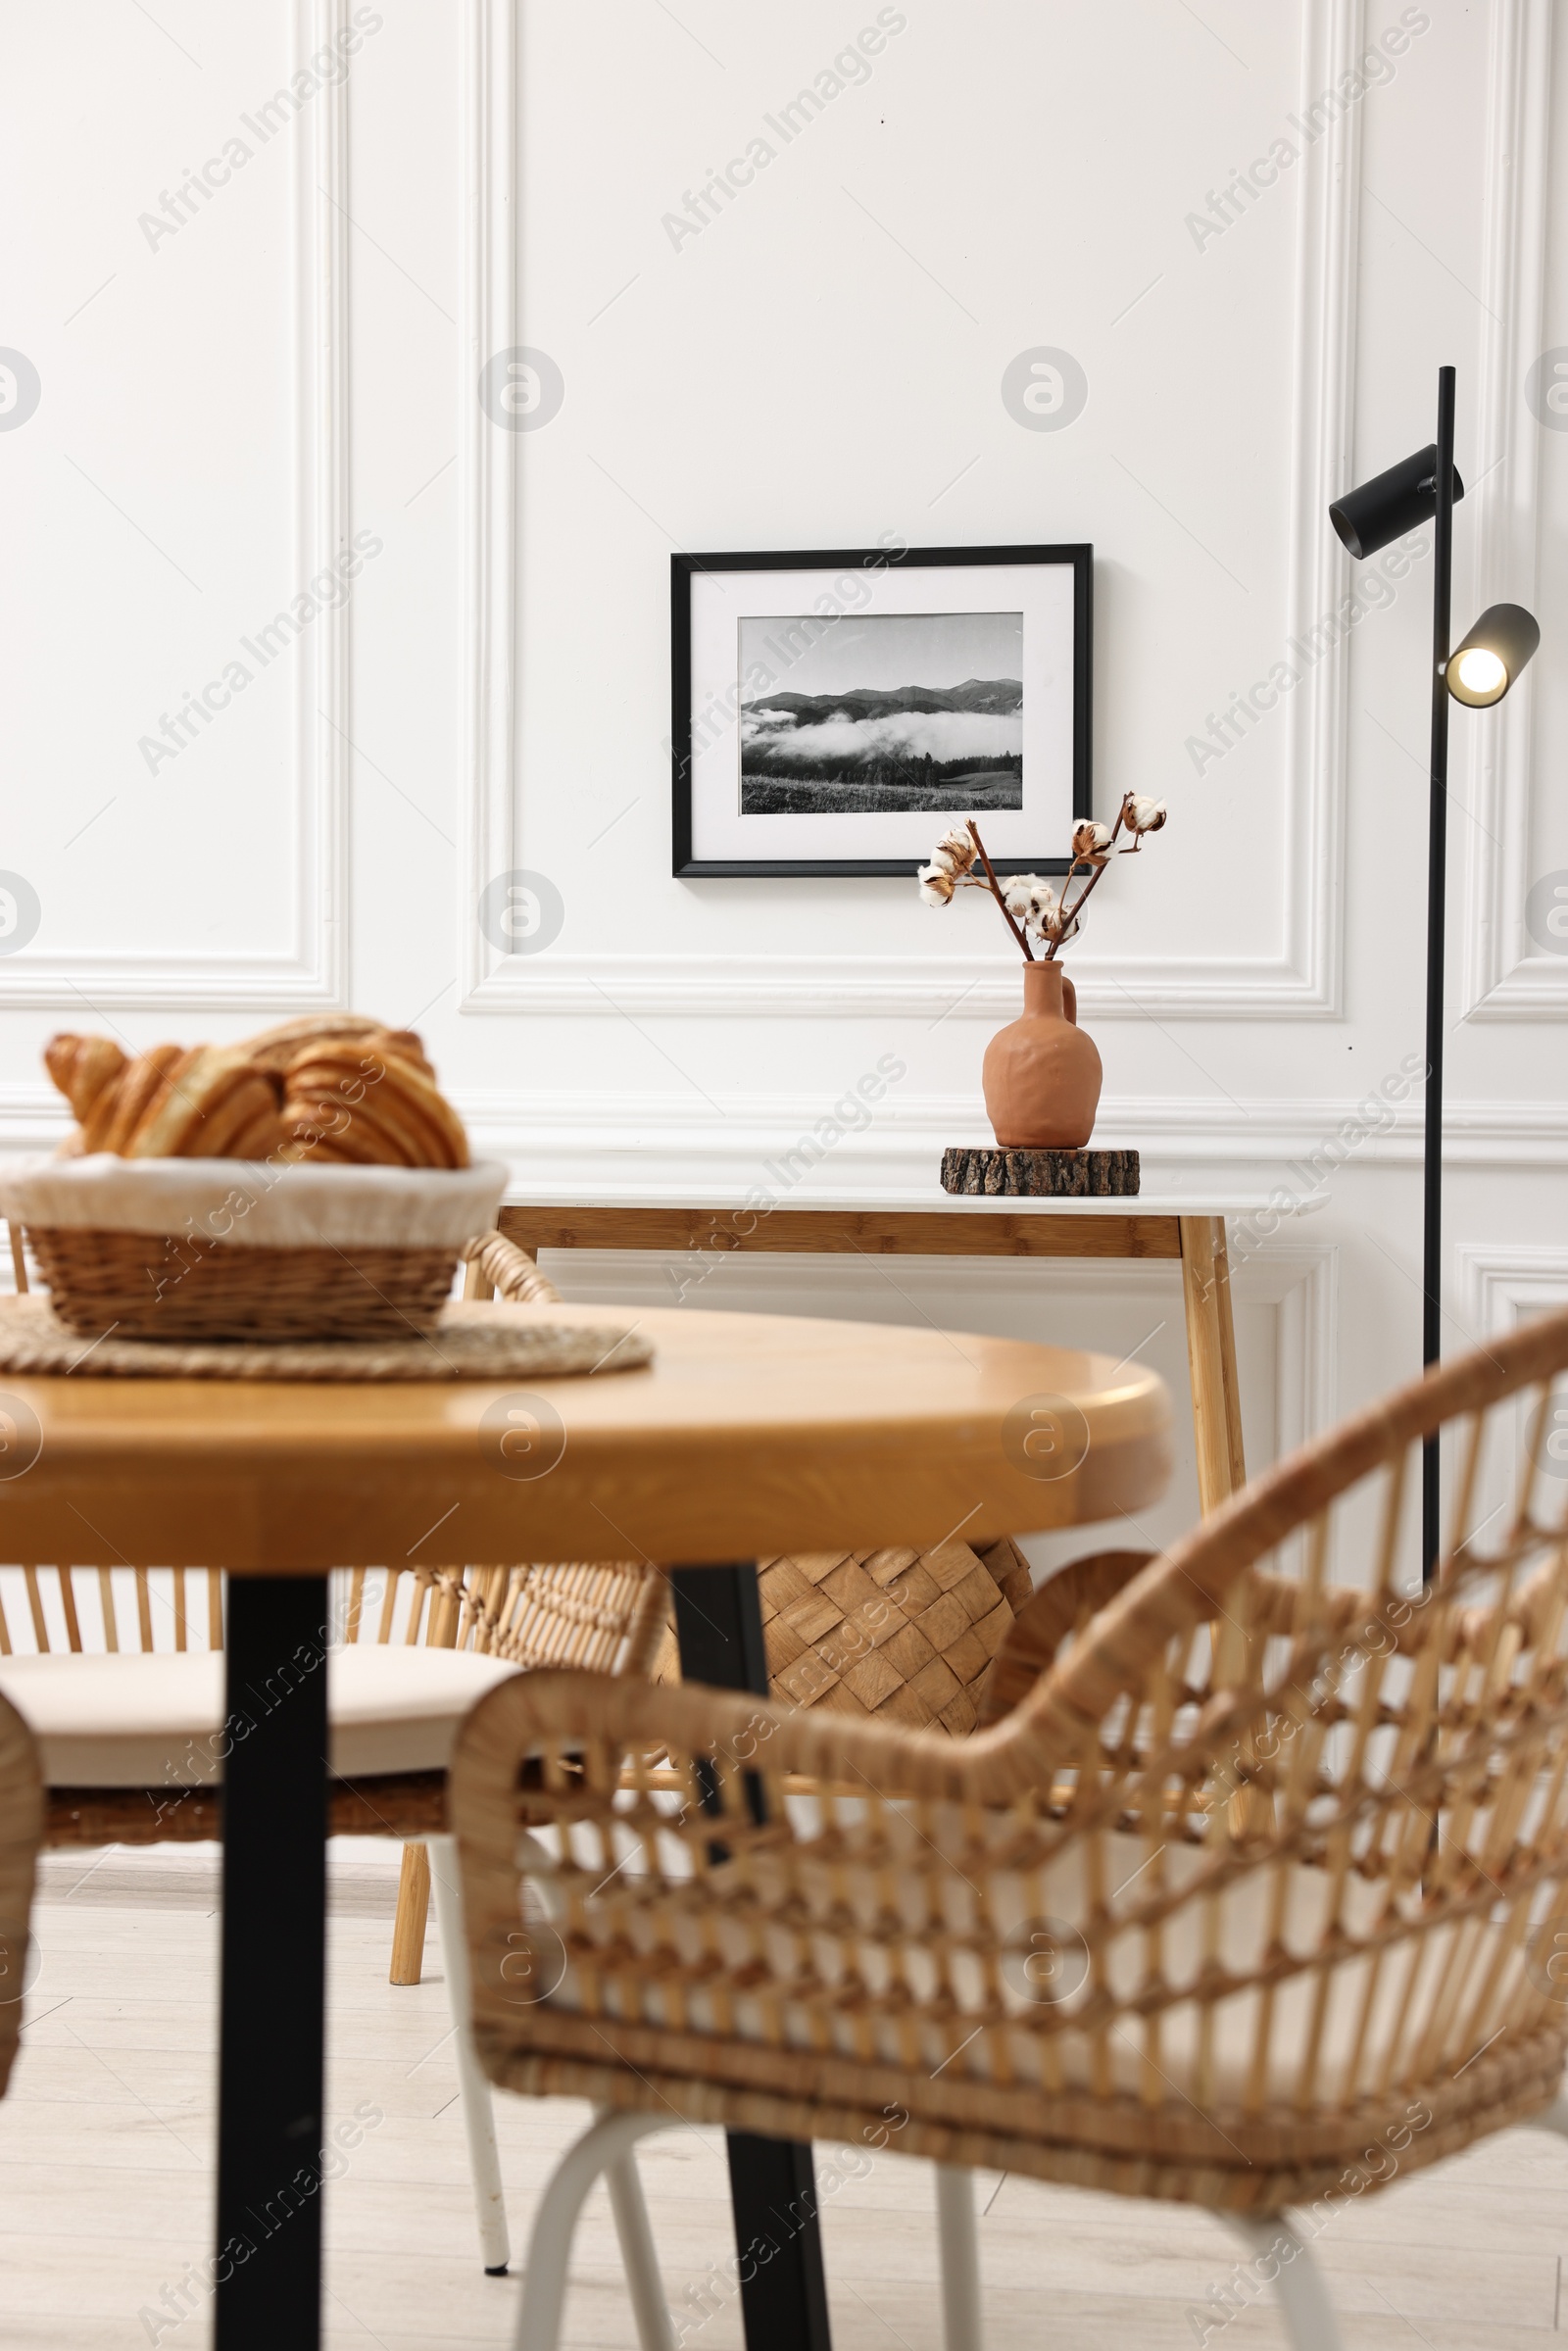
[105, 2182]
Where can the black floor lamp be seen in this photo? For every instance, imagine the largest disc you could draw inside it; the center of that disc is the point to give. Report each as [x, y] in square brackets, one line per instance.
[1477, 671]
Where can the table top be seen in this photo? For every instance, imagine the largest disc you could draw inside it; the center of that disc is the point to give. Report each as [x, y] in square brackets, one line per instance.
[748, 1434]
[924, 1222]
[903, 1200]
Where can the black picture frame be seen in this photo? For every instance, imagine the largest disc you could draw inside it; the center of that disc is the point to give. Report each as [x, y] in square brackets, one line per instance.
[684, 567]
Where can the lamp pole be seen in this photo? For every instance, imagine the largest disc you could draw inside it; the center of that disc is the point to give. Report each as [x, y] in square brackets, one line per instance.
[1436, 931]
[1477, 671]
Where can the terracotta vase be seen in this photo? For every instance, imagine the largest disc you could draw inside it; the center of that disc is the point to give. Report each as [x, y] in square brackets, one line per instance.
[1042, 1076]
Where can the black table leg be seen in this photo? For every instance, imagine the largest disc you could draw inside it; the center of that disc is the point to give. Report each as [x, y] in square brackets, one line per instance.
[773, 2186]
[268, 2267]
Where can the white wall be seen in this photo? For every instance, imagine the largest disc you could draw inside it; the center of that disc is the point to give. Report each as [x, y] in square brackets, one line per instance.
[226, 408]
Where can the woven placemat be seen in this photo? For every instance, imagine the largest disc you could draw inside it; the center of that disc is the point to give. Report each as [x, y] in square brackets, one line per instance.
[471, 1342]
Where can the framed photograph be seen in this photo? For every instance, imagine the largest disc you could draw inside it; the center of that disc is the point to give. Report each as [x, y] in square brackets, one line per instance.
[830, 708]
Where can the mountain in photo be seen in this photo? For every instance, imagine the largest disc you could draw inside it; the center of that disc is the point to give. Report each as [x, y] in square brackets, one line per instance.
[1000, 695]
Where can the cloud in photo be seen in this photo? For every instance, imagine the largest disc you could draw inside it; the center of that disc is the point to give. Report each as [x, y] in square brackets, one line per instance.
[902, 734]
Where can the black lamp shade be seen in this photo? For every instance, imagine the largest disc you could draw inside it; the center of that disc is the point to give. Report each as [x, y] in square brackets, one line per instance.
[1483, 665]
[1390, 503]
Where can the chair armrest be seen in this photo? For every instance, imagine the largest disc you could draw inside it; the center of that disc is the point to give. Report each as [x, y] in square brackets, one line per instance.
[1062, 1606]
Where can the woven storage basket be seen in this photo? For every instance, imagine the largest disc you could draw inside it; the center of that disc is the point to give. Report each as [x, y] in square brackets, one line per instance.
[157, 1285]
[186, 1250]
[908, 1636]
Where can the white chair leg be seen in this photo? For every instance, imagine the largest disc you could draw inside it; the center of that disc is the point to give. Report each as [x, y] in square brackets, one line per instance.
[959, 2244]
[478, 2118]
[605, 2145]
[1298, 2283]
[655, 2329]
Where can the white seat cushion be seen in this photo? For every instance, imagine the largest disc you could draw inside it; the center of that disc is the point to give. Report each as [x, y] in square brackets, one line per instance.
[135, 1721]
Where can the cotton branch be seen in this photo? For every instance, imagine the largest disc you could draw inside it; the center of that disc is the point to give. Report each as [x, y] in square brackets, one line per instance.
[995, 891]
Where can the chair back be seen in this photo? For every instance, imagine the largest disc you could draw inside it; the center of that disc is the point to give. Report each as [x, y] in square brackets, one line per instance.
[1265, 1880]
[21, 1835]
[599, 1616]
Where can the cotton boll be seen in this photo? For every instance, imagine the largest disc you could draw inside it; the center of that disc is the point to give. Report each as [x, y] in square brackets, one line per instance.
[1049, 929]
[1144, 816]
[1017, 894]
[956, 850]
[936, 885]
[1041, 910]
[953, 855]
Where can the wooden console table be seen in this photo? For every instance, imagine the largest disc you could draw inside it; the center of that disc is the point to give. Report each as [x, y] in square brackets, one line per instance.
[941, 1225]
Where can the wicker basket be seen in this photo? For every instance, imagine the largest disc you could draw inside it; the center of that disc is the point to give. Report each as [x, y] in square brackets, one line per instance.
[144, 1248]
[908, 1637]
[157, 1285]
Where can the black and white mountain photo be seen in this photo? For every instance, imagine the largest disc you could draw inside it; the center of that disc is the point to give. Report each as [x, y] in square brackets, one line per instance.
[881, 712]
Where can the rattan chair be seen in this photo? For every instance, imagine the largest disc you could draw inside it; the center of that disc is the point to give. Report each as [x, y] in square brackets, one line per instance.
[124, 1689]
[20, 1834]
[1256, 1899]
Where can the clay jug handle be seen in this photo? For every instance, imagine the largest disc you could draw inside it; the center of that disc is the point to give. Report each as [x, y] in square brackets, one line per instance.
[1069, 999]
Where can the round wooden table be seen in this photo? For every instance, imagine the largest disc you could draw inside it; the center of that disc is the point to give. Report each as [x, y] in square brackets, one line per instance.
[748, 1433]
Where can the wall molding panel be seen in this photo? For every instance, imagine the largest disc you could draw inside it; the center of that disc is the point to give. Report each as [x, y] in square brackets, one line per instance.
[1317, 782]
[315, 972]
[663, 1140]
[488, 491]
[1501, 1284]
[1306, 1387]
[1503, 979]
[1303, 981]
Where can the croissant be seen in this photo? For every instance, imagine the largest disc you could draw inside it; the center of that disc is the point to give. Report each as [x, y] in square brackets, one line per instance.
[364, 1104]
[167, 1104]
[214, 1103]
[113, 1122]
[275, 1049]
[83, 1069]
[330, 1087]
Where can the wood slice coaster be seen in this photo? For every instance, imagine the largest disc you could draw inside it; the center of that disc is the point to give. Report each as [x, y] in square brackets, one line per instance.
[471, 1342]
[1039, 1175]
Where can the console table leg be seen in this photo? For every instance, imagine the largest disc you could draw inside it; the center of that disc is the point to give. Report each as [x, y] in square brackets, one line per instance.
[1227, 1358]
[1212, 1360]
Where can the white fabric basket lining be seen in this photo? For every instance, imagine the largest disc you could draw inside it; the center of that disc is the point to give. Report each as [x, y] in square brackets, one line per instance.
[256, 1204]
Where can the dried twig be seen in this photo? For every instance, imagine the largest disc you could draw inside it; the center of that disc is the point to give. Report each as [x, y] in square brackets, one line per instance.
[1070, 914]
[1051, 917]
[995, 892]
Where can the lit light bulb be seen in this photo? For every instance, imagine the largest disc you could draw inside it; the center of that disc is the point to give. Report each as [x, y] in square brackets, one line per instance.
[1481, 672]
